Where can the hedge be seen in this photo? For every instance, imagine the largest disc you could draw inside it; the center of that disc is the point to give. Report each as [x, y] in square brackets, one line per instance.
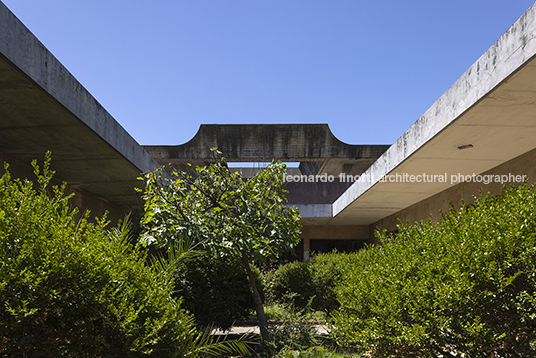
[73, 288]
[300, 284]
[463, 285]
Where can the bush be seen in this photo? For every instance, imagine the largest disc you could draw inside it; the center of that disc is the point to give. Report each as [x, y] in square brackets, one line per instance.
[293, 279]
[215, 290]
[464, 285]
[327, 271]
[297, 283]
[71, 288]
[294, 332]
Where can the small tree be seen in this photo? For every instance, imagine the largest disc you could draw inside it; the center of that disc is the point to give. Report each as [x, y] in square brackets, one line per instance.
[226, 215]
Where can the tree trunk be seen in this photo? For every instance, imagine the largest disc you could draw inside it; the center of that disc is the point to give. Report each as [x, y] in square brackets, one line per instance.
[259, 308]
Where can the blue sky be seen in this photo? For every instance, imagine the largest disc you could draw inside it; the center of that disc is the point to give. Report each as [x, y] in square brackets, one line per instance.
[367, 68]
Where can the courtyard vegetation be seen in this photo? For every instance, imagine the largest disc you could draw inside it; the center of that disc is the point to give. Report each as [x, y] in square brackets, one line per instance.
[71, 287]
[226, 216]
[463, 285]
[207, 257]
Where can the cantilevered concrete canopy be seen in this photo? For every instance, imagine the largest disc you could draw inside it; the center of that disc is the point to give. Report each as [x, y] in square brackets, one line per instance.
[43, 107]
[486, 119]
[313, 145]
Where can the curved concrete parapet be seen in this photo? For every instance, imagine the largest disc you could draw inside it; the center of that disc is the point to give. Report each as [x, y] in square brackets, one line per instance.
[257, 142]
[265, 142]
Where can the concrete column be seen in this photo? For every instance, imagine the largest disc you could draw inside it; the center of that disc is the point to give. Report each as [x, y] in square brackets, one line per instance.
[306, 249]
[348, 169]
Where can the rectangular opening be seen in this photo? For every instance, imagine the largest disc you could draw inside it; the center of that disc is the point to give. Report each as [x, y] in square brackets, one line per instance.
[259, 165]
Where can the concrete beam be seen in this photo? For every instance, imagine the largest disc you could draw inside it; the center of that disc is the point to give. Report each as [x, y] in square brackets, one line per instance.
[314, 211]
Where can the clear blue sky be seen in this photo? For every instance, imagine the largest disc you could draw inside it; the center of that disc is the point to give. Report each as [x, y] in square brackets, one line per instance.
[367, 68]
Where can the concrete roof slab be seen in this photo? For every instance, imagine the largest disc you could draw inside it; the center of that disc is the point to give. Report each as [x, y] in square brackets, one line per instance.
[491, 107]
[43, 107]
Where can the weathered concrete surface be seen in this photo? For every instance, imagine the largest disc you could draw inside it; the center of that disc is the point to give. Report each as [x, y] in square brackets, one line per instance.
[357, 232]
[43, 107]
[314, 211]
[349, 236]
[249, 172]
[491, 107]
[265, 142]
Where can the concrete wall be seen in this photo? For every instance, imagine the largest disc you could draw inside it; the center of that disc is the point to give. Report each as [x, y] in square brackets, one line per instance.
[308, 193]
[356, 232]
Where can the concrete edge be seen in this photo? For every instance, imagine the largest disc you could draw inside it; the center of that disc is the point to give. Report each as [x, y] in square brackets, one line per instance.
[315, 210]
[511, 51]
[26, 52]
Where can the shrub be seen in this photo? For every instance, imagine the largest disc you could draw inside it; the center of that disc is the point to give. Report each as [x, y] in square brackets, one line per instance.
[292, 279]
[327, 271]
[464, 285]
[297, 283]
[71, 288]
[294, 332]
[215, 290]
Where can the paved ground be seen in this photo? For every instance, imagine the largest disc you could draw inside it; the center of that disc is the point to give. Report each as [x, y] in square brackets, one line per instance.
[321, 329]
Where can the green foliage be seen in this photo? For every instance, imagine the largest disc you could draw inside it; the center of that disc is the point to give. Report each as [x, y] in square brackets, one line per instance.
[312, 352]
[292, 279]
[276, 311]
[204, 344]
[279, 312]
[228, 216]
[225, 215]
[317, 352]
[72, 288]
[215, 290]
[464, 285]
[293, 333]
[297, 283]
